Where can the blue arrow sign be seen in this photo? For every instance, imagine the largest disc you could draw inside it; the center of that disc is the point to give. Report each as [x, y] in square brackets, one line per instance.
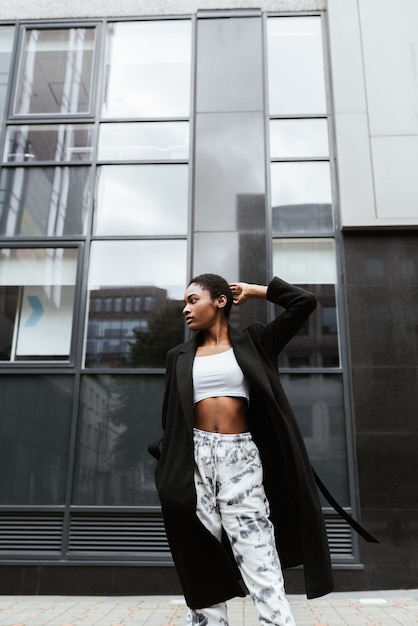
[38, 310]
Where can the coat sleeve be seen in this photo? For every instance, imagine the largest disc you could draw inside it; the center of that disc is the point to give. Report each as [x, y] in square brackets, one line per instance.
[297, 303]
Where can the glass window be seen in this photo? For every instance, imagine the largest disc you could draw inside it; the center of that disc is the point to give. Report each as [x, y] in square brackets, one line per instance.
[141, 200]
[229, 53]
[301, 197]
[316, 344]
[35, 430]
[317, 401]
[55, 75]
[144, 141]
[230, 172]
[329, 320]
[119, 417]
[311, 264]
[153, 274]
[298, 138]
[49, 142]
[6, 47]
[39, 201]
[305, 261]
[148, 69]
[36, 302]
[295, 66]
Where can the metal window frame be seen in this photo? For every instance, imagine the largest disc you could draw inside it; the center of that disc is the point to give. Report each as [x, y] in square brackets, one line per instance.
[67, 509]
[343, 370]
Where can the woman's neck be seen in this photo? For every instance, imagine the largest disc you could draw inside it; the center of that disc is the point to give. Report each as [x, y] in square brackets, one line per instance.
[217, 336]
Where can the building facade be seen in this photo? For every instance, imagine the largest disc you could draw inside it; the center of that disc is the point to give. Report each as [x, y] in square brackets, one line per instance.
[143, 143]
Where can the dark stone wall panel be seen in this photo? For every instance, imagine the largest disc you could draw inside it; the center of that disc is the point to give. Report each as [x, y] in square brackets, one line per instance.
[381, 282]
[388, 470]
[385, 398]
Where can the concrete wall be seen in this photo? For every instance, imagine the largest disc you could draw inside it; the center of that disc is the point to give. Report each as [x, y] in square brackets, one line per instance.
[39, 9]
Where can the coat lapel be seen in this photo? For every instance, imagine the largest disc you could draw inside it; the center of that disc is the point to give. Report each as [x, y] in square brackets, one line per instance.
[184, 379]
[249, 361]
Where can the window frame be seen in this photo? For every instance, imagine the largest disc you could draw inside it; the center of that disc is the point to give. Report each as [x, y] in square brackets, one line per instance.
[25, 26]
[41, 363]
[343, 369]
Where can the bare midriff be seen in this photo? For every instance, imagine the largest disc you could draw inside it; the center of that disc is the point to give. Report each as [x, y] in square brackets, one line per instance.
[223, 414]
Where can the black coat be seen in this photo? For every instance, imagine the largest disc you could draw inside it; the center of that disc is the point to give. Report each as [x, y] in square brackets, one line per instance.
[205, 567]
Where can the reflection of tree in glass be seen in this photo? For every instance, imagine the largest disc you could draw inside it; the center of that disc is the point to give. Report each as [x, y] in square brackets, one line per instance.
[165, 330]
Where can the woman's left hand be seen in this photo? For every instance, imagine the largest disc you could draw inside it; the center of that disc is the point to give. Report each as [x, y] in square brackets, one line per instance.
[240, 292]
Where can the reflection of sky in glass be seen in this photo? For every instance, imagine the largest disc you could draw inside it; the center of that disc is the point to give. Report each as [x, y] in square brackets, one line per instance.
[144, 140]
[217, 253]
[305, 261]
[148, 71]
[135, 263]
[295, 65]
[38, 266]
[300, 183]
[298, 138]
[142, 200]
[229, 163]
[6, 46]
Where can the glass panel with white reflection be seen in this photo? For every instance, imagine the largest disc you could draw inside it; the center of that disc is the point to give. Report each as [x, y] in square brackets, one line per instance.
[56, 72]
[37, 287]
[146, 141]
[302, 138]
[141, 200]
[148, 69]
[295, 66]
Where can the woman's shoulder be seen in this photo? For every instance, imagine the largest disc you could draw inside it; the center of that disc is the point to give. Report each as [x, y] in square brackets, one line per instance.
[181, 347]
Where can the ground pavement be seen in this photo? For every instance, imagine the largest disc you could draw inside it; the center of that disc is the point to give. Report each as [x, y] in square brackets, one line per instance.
[374, 608]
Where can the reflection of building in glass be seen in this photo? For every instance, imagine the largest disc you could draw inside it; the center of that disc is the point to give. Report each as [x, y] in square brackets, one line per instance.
[316, 344]
[302, 218]
[318, 406]
[117, 315]
[106, 467]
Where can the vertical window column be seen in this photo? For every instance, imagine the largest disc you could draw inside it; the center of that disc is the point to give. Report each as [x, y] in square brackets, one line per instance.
[303, 237]
[229, 193]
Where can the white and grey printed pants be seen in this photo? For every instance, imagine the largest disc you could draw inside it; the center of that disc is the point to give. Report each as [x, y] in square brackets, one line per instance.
[230, 494]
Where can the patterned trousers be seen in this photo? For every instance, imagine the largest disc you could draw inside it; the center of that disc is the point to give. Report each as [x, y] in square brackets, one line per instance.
[230, 494]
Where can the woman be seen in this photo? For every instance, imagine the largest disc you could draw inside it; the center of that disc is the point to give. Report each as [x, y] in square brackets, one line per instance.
[232, 458]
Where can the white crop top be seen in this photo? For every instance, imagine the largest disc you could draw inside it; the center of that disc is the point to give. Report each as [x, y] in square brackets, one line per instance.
[218, 375]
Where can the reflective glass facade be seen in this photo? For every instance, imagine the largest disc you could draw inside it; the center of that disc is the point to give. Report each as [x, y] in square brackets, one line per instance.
[135, 154]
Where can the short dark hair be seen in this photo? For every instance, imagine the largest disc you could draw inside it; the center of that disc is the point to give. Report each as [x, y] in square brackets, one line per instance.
[217, 286]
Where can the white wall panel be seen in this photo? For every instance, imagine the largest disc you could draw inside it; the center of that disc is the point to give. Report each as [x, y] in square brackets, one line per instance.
[395, 164]
[356, 189]
[374, 65]
[390, 48]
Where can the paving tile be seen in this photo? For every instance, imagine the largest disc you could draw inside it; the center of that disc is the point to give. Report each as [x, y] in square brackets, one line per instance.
[383, 608]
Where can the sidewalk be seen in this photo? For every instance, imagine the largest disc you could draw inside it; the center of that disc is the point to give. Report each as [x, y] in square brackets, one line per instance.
[372, 608]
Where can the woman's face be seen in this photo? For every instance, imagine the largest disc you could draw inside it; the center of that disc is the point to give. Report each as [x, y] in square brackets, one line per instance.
[200, 311]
